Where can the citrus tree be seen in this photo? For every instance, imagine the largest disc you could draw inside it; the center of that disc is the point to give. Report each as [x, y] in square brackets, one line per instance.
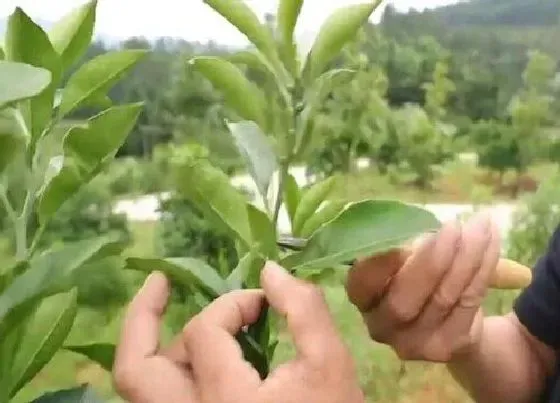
[45, 158]
[271, 124]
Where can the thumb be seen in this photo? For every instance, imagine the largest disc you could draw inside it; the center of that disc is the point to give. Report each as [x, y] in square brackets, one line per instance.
[306, 311]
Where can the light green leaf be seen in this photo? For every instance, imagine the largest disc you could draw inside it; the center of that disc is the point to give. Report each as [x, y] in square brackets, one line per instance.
[20, 81]
[100, 353]
[310, 202]
[247, 272]
[325, 214]
[81, 394]
[240, 15]
[363, 229]
[53, 271]
[72, 34]
[339, 28]
[96, 77]
[240, 94]
[86, 148]
[287, 16]
[263, 232]
[44, 337]
[291, 196]
[257, 151]
[211, 191]
[26, 42]
[184, 271]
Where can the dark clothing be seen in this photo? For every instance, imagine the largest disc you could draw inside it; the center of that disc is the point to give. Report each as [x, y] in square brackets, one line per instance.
[538, 308]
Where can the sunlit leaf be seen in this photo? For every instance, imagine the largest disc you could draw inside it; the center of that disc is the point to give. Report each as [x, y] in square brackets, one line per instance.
[287, 16]
[363, 229]
[263, 232]
[21, 81]
[310, 202]
[257, 151]
[95, 78]
[247, 271]
[72, 34]
[291, 196]
[325, 214]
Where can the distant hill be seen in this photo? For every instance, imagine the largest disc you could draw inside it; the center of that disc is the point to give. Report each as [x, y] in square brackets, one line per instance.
[501, 12]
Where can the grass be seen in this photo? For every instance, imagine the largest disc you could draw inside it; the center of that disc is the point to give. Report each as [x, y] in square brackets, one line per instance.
[380, 372]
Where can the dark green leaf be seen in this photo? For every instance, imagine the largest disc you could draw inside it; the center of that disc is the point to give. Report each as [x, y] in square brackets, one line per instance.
[82, 394]
[211, 191]
[12, 137]
[52, 271]
[291, 196]
[2, 55]
[71, 35]
[26, 42]
[263, 232]
[184, 271]
[244, 19]
[44, 337]
[310, 201]
[20, 81]
[288, 13]
[254, 353]
[96, 77]
[86, 148]
[325, 214]
[101, 353]
[257, 151]
[339, 28]
[363, 229]
[247, 272]
[244, 97]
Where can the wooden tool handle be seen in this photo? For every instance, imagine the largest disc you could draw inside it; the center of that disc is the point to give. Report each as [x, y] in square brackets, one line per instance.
[509, 275]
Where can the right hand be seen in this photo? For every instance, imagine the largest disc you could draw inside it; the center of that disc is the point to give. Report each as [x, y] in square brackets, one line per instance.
[428, 306]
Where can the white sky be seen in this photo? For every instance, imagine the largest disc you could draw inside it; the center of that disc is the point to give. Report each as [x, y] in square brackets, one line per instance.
[188, 19]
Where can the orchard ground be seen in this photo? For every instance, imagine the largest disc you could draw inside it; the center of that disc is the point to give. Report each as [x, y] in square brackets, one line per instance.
[458, 191]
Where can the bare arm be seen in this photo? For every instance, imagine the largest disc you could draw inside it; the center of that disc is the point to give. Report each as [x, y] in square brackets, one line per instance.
[509, 364]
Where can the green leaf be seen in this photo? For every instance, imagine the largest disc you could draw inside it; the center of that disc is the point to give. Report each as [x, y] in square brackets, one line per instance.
[26, 42]
[20, 81]
[291, 196]
[244, 97]
[257, 151]
[44, 337]
[363, 229]
[96, 77]
[211, 191]
[237, 13]
[52, 271]
[101, 353]
[247, 272]
[71, 35]
[184, 271]
[86, 149]
[82, 394]
[325, 214]
[2, 54]
[339, 28]
[310, 201]
[263, 232]
[12, 137]
[287, 16]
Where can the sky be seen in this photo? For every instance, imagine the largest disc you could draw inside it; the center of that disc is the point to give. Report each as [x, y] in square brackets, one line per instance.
[188, 19]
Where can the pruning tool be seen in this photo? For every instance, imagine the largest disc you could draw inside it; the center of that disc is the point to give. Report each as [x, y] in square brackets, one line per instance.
[508, 275]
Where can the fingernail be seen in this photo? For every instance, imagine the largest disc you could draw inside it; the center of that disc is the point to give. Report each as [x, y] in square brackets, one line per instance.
[274, 270]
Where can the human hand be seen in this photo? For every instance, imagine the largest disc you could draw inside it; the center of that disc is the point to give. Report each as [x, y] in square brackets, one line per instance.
[204, 364]
[428, 307]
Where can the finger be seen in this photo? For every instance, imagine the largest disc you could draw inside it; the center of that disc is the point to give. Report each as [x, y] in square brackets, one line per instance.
[412, 286]
[214, 354]
[476, 239]
[140, 332]
[176, 351]
[368, 278]
[458, 325]
[307, 314]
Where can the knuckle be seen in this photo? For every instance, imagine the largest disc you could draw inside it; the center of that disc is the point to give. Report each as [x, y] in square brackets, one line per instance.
[399, 312]
[471, 300]
[443, 300]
